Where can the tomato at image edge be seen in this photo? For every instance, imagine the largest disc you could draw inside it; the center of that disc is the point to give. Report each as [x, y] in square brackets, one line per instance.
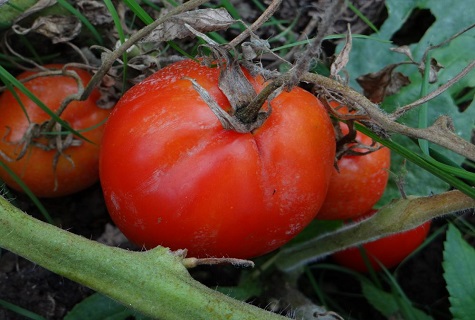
[35, 168]
[389, 251]
[358, 184]
[172, 176]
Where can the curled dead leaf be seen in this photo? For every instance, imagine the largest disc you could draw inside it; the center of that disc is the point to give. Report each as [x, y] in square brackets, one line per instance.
[95, 11]
[254, 48]
[405, 50]
[378, 85]
[38, 6]
[433, 65]
[342, 58]
[202, 20]
[57, 28]
[434, 68]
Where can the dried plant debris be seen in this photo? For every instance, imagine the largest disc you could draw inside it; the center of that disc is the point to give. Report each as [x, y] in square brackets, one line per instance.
[202, 20]
[95, 11]
[57, 28]
[378, 85]
[38, 6]
[342, 58]
[434, 66]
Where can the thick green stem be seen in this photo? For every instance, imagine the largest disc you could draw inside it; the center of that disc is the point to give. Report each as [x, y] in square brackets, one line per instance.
[154, 282]
[396, 217]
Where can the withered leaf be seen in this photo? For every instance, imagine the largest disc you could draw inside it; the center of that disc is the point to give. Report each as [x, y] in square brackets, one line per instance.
[202, 20]
[38, 6]
[378, 85]
[235, 86]
[95, 11]
[433, 71]
[57, 28]
[342, 58]
[254, 48]
[405, 50]
[232, 81]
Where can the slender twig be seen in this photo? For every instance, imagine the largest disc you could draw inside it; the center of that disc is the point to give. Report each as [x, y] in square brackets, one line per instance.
[302, 64]
[70, 98]
[134, 38]
[304, 35]
[440, 132]
[446, 41]
[402, 110]
[266, 15]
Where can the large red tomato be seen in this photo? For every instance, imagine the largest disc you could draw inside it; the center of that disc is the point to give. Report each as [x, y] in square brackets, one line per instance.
[77, 166]
[389, 251]
[358, 184]
[172, 176]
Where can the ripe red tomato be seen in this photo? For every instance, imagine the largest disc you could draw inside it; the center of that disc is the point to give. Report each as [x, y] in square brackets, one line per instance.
[389, 251]
[35, 168]
[358, 185]
[172, 176]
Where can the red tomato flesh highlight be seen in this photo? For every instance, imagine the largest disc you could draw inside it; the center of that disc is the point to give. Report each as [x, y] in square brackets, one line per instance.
[358, 184]
[36, 167]
[172, 176]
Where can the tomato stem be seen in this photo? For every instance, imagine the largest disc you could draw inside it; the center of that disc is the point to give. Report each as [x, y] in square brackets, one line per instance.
[154, 282]
[250, 113]
[64, 104]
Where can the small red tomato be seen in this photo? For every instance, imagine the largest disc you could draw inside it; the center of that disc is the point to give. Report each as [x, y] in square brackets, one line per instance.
[389, 251]
[173, 176]
[77, 166]
[359, 183]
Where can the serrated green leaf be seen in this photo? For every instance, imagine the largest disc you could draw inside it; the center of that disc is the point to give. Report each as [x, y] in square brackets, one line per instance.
[100, 307]
[459, 263]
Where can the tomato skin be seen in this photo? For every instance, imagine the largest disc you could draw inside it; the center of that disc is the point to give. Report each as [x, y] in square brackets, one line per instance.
[389, 251]
[359, 183]
[36, 167]
[172, 176]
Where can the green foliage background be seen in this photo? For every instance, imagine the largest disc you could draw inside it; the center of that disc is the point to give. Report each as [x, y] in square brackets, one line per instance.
[372, 56]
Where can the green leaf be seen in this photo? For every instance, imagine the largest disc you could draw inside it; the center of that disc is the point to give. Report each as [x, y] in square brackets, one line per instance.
[20, 311]
[459, 263]
[249, 286]
[381, 300]
[372, 56]
[314, 229]
[391, 304]
[100, 307]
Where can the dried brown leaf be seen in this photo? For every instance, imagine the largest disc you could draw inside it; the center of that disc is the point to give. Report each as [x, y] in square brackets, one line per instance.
[202, 20]
[232, 81]
[95, 11]
[38, 6]
[378, 85]
[236, 86]
[254, 48]
[57, 28]
[434, 69]
[405, 50]
[342, 58]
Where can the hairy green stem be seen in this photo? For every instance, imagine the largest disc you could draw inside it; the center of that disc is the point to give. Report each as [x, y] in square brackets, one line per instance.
[153, 282]
[398, 216]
